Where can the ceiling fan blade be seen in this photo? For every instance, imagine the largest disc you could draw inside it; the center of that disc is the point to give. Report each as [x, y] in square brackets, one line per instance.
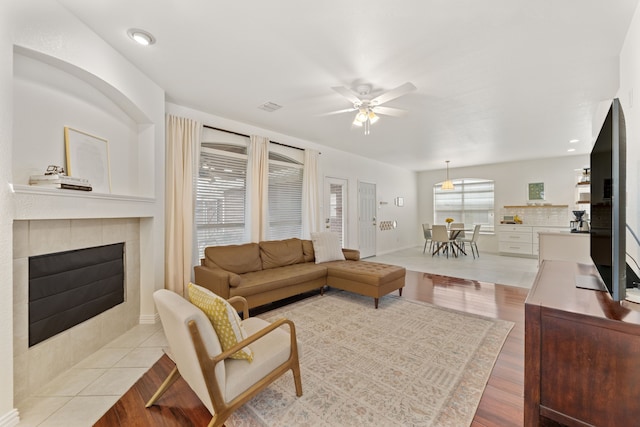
[347, 93]
[346, 110]
[393, 94]
[389, 111]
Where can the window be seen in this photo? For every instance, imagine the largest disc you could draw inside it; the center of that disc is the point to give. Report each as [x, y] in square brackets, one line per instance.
[285, 192]
[336, 209]
[471, 202]
[221, 190]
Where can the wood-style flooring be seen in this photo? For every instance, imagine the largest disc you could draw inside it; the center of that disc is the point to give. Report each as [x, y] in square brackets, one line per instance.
[501, 404]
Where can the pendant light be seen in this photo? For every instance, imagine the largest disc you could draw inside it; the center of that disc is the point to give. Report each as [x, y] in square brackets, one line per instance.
[448, 184]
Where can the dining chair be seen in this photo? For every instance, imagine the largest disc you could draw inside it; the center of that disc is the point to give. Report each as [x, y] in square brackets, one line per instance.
[426, 229]
[440, 236]
[472, 241]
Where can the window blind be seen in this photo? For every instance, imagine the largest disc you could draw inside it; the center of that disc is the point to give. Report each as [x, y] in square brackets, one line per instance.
[220, 195]
[285, 197]
[471, 202]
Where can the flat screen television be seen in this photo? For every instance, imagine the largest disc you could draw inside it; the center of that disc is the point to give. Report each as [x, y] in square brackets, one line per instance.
[608, 206]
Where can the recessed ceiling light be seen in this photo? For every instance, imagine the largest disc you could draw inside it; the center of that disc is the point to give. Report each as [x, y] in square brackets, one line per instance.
[573, 141]
[570, 150]
[141, 36]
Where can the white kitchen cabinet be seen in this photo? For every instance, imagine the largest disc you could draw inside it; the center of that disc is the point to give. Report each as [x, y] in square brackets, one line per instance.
[537, 231]
[517, 239]
[565, 246]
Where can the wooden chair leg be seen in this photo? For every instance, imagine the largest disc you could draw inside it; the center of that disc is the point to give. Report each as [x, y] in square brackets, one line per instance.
[171, 378]
[297, 379]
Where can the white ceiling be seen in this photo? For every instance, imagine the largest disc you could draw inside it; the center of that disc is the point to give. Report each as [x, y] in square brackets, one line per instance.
[497, 80]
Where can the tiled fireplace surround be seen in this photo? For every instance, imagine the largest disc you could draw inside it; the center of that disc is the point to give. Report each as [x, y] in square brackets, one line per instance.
[37, 365]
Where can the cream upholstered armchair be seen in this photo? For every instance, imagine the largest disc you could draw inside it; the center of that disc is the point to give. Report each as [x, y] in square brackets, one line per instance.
[221, 383]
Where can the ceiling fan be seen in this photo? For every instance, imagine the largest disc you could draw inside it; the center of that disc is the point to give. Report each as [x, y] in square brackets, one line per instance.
[368, 108]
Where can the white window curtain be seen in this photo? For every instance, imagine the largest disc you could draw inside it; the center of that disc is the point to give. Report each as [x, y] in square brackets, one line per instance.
[310, 193]
[183, 142]
[258, 188]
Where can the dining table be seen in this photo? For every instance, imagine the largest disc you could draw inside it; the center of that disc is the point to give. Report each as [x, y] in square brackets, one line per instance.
[454, 233]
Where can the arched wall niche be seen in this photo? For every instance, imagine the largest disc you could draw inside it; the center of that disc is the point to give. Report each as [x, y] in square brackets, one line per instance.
[49, 94]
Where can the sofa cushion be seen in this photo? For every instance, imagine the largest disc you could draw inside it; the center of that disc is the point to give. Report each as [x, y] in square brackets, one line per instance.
[326, 246]
[307, 250]
[351, 254]
[279, 277]
[279, 253]
[223, 317]
[238, 259]
[370, 273]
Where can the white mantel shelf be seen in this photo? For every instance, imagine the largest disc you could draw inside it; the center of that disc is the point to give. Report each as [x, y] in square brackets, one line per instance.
[33, 202]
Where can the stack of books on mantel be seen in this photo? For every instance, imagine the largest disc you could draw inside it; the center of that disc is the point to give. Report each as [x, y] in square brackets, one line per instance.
[60, 181]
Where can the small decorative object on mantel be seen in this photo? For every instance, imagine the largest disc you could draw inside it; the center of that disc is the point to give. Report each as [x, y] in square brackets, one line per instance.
[54, 170]
[88, 157]
[54, 177]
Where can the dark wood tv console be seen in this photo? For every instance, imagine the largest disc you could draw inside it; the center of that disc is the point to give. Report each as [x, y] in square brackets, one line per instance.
[582, 353]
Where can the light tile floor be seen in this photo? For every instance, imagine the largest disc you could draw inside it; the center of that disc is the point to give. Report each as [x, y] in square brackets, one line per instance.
[80, 396]
[504, 270]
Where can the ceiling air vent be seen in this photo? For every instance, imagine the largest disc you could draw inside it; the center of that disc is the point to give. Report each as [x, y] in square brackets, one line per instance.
[270, 107]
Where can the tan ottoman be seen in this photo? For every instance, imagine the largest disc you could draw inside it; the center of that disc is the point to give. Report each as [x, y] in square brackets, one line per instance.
[365, 278]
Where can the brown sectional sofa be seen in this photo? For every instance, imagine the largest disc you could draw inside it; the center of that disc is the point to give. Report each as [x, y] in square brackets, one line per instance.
[272, 270]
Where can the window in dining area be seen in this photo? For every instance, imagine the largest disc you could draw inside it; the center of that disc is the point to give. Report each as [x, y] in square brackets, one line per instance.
[470, 202]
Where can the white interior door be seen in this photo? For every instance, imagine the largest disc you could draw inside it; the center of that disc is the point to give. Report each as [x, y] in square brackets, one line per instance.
[367, 219]
[335, 207]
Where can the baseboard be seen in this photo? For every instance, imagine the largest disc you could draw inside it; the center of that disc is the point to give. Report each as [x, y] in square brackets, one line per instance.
[148, 319]
[401, 248]
[10, 419]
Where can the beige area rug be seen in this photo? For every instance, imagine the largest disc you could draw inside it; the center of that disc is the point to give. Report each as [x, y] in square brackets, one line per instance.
[407, 363]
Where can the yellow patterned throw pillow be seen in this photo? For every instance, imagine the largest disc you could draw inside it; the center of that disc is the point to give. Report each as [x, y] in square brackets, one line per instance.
[223, 317]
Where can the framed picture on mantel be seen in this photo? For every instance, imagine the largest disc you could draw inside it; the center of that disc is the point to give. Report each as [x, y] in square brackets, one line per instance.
[88, 157]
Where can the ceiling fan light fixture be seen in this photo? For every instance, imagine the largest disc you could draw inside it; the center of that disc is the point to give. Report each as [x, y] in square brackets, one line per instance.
[362, 116]
[448, 184]
[364, 105]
